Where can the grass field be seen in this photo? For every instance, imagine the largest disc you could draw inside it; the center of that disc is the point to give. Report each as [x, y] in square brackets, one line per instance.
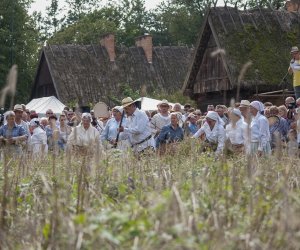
[182, 201]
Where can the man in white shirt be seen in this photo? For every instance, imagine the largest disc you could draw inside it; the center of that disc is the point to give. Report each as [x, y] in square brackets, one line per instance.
[137, 129]
[84, 138]
[161, 119]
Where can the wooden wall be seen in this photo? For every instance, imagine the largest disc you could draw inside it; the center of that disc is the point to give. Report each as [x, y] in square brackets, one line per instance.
[211, 75]
[44, 84]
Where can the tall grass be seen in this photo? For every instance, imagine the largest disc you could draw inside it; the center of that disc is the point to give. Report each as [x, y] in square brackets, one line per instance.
[182, 201]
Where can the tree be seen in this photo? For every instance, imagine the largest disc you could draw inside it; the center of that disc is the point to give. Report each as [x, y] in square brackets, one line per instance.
[18, 44]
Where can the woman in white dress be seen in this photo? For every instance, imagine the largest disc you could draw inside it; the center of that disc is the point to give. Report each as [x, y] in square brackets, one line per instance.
[38, 139]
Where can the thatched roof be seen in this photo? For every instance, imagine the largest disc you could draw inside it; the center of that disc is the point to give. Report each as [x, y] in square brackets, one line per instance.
[85, 74]
[262, 36]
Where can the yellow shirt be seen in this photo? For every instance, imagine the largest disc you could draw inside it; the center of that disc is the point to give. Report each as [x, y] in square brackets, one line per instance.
[296, 74]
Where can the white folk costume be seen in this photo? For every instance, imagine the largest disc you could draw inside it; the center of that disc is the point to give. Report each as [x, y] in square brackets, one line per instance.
[236, 134]
[215, 136]
[138, 131]
[260, 134]
[84, 139]
[39, 145]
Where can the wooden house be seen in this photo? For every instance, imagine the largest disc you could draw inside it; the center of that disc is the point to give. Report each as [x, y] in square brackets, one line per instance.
[86, 74]
[241, 53]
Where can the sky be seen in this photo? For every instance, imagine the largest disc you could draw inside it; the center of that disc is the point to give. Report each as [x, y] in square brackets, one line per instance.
[40, 5]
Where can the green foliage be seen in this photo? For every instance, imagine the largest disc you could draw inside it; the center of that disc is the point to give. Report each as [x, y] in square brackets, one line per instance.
[18, 43]
[263, 49]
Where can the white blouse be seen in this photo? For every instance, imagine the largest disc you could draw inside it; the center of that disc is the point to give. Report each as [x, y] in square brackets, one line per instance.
[237, 134]
[216, 135]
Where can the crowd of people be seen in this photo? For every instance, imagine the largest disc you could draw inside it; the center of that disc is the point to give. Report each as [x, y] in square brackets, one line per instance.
[245, 128]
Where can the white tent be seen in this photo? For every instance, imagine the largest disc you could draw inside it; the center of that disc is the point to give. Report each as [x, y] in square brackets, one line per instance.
[40, 105]
[151, 104]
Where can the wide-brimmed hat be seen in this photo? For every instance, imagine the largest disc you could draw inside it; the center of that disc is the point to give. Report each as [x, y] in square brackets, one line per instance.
[127, 101]
[18, 107]
[244, 103]
[294, 49]
[163, 102]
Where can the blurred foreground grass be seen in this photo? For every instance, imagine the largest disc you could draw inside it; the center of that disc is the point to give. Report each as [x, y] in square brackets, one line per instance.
[182, 201]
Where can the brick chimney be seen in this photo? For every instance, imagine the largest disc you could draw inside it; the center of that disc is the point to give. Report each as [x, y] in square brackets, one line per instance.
[108, 41]
[292, 6]
[145, 42]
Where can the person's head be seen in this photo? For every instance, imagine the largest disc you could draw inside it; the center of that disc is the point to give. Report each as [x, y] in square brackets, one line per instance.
[62, 119]
[192, 118]
[52, 120]
[295, 54]
[86, 119]
[186, 107]
[198, 114]
[44, 121]
[244, 107]
[177, 107]
[274, 111]
[33, 115]
[18, 109]
[117, 112]
[235, 115]
[289, 100]
[49, 113]
[267, 112]
[212, 118]
[164, 107]
[268, 104]
[70, 115]
[10, 118]
[282, 111]
[210, 108]
[66, 108]
[129, 106]
[237, 105]
[220, 110]
[255, 107]
[174, 119]
[34, 123]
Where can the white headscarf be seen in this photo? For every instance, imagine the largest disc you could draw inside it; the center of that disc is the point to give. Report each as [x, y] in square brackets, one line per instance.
[257, 105]
[86, 115]
[215, 116]
[237, 112]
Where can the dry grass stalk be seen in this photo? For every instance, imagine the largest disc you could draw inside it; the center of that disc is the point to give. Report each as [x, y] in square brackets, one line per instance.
[217, 52]
[241, 76]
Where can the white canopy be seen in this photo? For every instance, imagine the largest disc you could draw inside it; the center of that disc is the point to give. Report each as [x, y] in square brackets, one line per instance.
[151, 104]
[40, 105]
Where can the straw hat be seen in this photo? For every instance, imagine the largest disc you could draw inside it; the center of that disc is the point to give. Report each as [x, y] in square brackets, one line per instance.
[294, 49]
[244, 103]
[163, 102]
[18, 107]
[127, 101]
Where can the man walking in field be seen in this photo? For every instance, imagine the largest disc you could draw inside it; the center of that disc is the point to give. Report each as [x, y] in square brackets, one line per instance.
[137, 129]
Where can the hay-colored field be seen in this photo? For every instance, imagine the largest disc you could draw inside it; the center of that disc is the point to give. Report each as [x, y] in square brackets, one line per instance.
[182, 201]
